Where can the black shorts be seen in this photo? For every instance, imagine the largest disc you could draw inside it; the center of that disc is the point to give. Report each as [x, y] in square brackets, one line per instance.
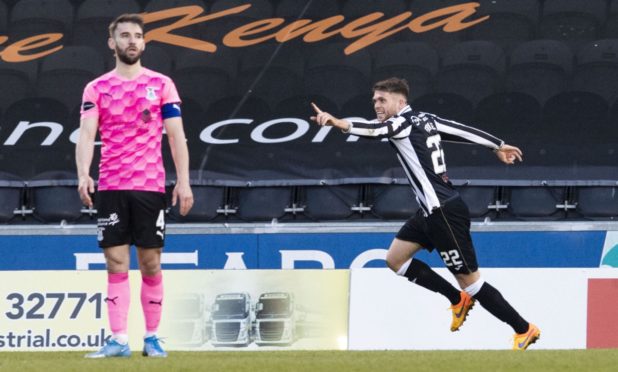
[131, 217]
[448, 230]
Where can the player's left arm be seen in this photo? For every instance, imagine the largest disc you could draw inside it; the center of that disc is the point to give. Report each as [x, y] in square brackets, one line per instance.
[453, 131]
[180, 153]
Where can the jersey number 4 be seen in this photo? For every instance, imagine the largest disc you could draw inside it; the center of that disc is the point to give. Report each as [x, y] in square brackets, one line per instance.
[437, 155]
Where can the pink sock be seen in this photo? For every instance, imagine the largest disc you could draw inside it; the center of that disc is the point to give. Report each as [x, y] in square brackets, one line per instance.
[152, 300]
[118, 300]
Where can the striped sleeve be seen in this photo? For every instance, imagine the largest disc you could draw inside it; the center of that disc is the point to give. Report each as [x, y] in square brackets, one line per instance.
[452, 131]
[395, 127]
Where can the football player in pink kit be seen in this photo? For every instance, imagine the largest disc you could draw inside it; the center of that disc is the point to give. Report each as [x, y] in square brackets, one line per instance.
[129, 106]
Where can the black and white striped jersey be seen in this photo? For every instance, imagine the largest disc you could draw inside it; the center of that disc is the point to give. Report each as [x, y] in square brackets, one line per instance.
[416, 137]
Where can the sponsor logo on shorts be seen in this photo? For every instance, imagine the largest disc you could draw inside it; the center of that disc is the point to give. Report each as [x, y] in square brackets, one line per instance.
[109, 221]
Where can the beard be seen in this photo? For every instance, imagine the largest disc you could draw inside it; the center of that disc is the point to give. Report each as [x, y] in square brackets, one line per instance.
[126, 59]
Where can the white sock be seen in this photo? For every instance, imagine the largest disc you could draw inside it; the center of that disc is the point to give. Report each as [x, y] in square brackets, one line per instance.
[121, 338]
[149, 334]
[475, 287]
[402, 270]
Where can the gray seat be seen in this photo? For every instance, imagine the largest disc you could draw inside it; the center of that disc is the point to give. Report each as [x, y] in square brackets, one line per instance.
[598, 202]
[263, 203]
[207, 200]
[540, 68]
[478, 199]
[537, 202]
[572, 21]
[393, 202]
[596, 70]
[11, 195]
[34, 17]
[330, 202]
[54, 197]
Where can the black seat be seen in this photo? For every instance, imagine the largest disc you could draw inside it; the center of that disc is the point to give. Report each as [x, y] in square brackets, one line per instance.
[205, 77]
[446, 105]
[572, 21]
[11, 195]
[598, 201]
[596, 70]
[34, 17]
[54, 197]
[329, 72]
[32, 126]
[417, 62]
[263, 203]
[157, 59]
[393, 202]
[260, 9]
[611, 24]
[478, 199]
[537, 202]
[92, 21]
[19, 77]
[4, 15]
[317, 9]
[330, 202]
[472, 69]
[64, 74]
[299, 106]
[271, 73]
[512, 116]
[540, 68]
[510, 22]
[206, 201]
[436, 37]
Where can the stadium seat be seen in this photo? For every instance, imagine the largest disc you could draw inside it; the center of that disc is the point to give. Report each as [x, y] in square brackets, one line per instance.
[156, 5]
[92, 21]
[513, 116]
[206, 201]
[234, 107]
[44, 119]
[263, 203]
[446, 105]
[359, 106]
[317, 9]
[437, 38]
[611, 24]
[260, 9]
[393, 202]
[329, 72]
[54, 197]
[539, 202]
[478, 199]
[11, 195]
[354, 9]
[330, 202]
[598, 201]
[4, 15]
[583, 115]
[299, 106]
[540, 68]
[472, 69]
[272, 73]
[510, 22]
[64, 74]
[157, 59]
[572, 21]
[596, 70]
[205, 77]
[19, 77]
[194, 31]
[417, 62]
[35, 17]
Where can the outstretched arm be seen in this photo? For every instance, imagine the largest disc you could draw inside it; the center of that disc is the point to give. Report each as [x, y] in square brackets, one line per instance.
[324, 118]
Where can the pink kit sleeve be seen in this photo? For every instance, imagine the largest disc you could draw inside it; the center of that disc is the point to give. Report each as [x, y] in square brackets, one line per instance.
[89, 108]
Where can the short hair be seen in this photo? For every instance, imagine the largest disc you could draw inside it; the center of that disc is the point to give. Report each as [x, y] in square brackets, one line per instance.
[124, 18]
[393, 85]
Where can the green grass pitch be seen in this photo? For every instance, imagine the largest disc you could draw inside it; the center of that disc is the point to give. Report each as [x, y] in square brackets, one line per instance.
[316, 361]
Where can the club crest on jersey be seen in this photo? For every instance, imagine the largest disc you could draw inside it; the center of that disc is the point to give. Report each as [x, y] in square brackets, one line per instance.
[151, 93]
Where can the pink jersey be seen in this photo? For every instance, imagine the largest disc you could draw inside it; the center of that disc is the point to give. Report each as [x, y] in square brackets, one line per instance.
[131, 128]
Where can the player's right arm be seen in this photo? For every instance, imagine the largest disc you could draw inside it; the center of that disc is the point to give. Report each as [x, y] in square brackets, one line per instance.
[84, 152]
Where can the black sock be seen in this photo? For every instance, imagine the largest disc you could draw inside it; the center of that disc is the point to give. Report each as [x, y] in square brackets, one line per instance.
[491, 299]
[418, 272]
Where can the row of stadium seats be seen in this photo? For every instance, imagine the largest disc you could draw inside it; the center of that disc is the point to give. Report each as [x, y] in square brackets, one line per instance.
[53, 198]
[510, 21]
[474, 70]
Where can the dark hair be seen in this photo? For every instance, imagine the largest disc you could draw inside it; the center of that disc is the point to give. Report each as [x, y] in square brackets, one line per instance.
[123, 18]
[393, 85]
